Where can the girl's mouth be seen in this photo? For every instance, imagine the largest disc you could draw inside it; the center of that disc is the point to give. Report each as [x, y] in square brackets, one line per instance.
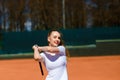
[56, 42]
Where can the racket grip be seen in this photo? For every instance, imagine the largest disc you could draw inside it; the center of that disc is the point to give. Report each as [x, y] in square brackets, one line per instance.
[41, 68]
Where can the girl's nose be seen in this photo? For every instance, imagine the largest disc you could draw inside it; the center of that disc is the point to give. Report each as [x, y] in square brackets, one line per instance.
[58, 39]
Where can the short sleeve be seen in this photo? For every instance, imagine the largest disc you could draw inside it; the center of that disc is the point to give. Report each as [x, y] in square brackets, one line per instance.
[42, 55]
[61, 49]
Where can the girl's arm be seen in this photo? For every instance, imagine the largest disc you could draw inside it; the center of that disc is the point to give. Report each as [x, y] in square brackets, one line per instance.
[49, 49]
[36, 53]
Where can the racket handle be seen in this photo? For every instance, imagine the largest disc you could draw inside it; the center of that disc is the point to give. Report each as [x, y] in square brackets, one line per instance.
[41, 68]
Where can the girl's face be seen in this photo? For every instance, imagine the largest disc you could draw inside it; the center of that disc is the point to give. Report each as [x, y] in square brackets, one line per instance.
[54, 38]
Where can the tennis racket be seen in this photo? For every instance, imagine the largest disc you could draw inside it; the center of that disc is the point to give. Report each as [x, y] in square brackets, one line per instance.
[41, 68]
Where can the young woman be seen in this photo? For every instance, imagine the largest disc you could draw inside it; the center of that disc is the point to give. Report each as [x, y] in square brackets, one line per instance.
[53, 56]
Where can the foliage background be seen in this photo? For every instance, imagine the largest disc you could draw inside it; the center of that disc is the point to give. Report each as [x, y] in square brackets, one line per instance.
[47, 14]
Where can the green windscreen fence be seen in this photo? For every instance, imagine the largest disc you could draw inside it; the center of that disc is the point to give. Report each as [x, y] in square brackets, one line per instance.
[17, 42]
[14, 42]
[107, 33]
[78, 37]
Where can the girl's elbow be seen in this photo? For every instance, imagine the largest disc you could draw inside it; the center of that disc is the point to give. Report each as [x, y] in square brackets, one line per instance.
[36, 58]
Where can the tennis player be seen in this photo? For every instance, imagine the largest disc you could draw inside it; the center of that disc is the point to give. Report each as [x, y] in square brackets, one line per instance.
[53, 56]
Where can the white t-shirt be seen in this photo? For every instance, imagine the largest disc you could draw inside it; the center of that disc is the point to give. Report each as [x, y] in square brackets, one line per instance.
[55, 64]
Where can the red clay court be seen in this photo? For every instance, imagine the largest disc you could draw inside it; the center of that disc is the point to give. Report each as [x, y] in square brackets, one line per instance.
[79, 68]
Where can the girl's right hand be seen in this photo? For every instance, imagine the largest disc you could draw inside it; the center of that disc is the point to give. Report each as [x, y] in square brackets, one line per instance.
[35, 47]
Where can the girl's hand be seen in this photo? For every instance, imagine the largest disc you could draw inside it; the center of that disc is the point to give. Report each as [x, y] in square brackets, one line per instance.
[35, 47]
[39, 49]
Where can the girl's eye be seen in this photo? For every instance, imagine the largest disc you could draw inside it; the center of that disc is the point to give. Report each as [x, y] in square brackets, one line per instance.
[55, 36]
